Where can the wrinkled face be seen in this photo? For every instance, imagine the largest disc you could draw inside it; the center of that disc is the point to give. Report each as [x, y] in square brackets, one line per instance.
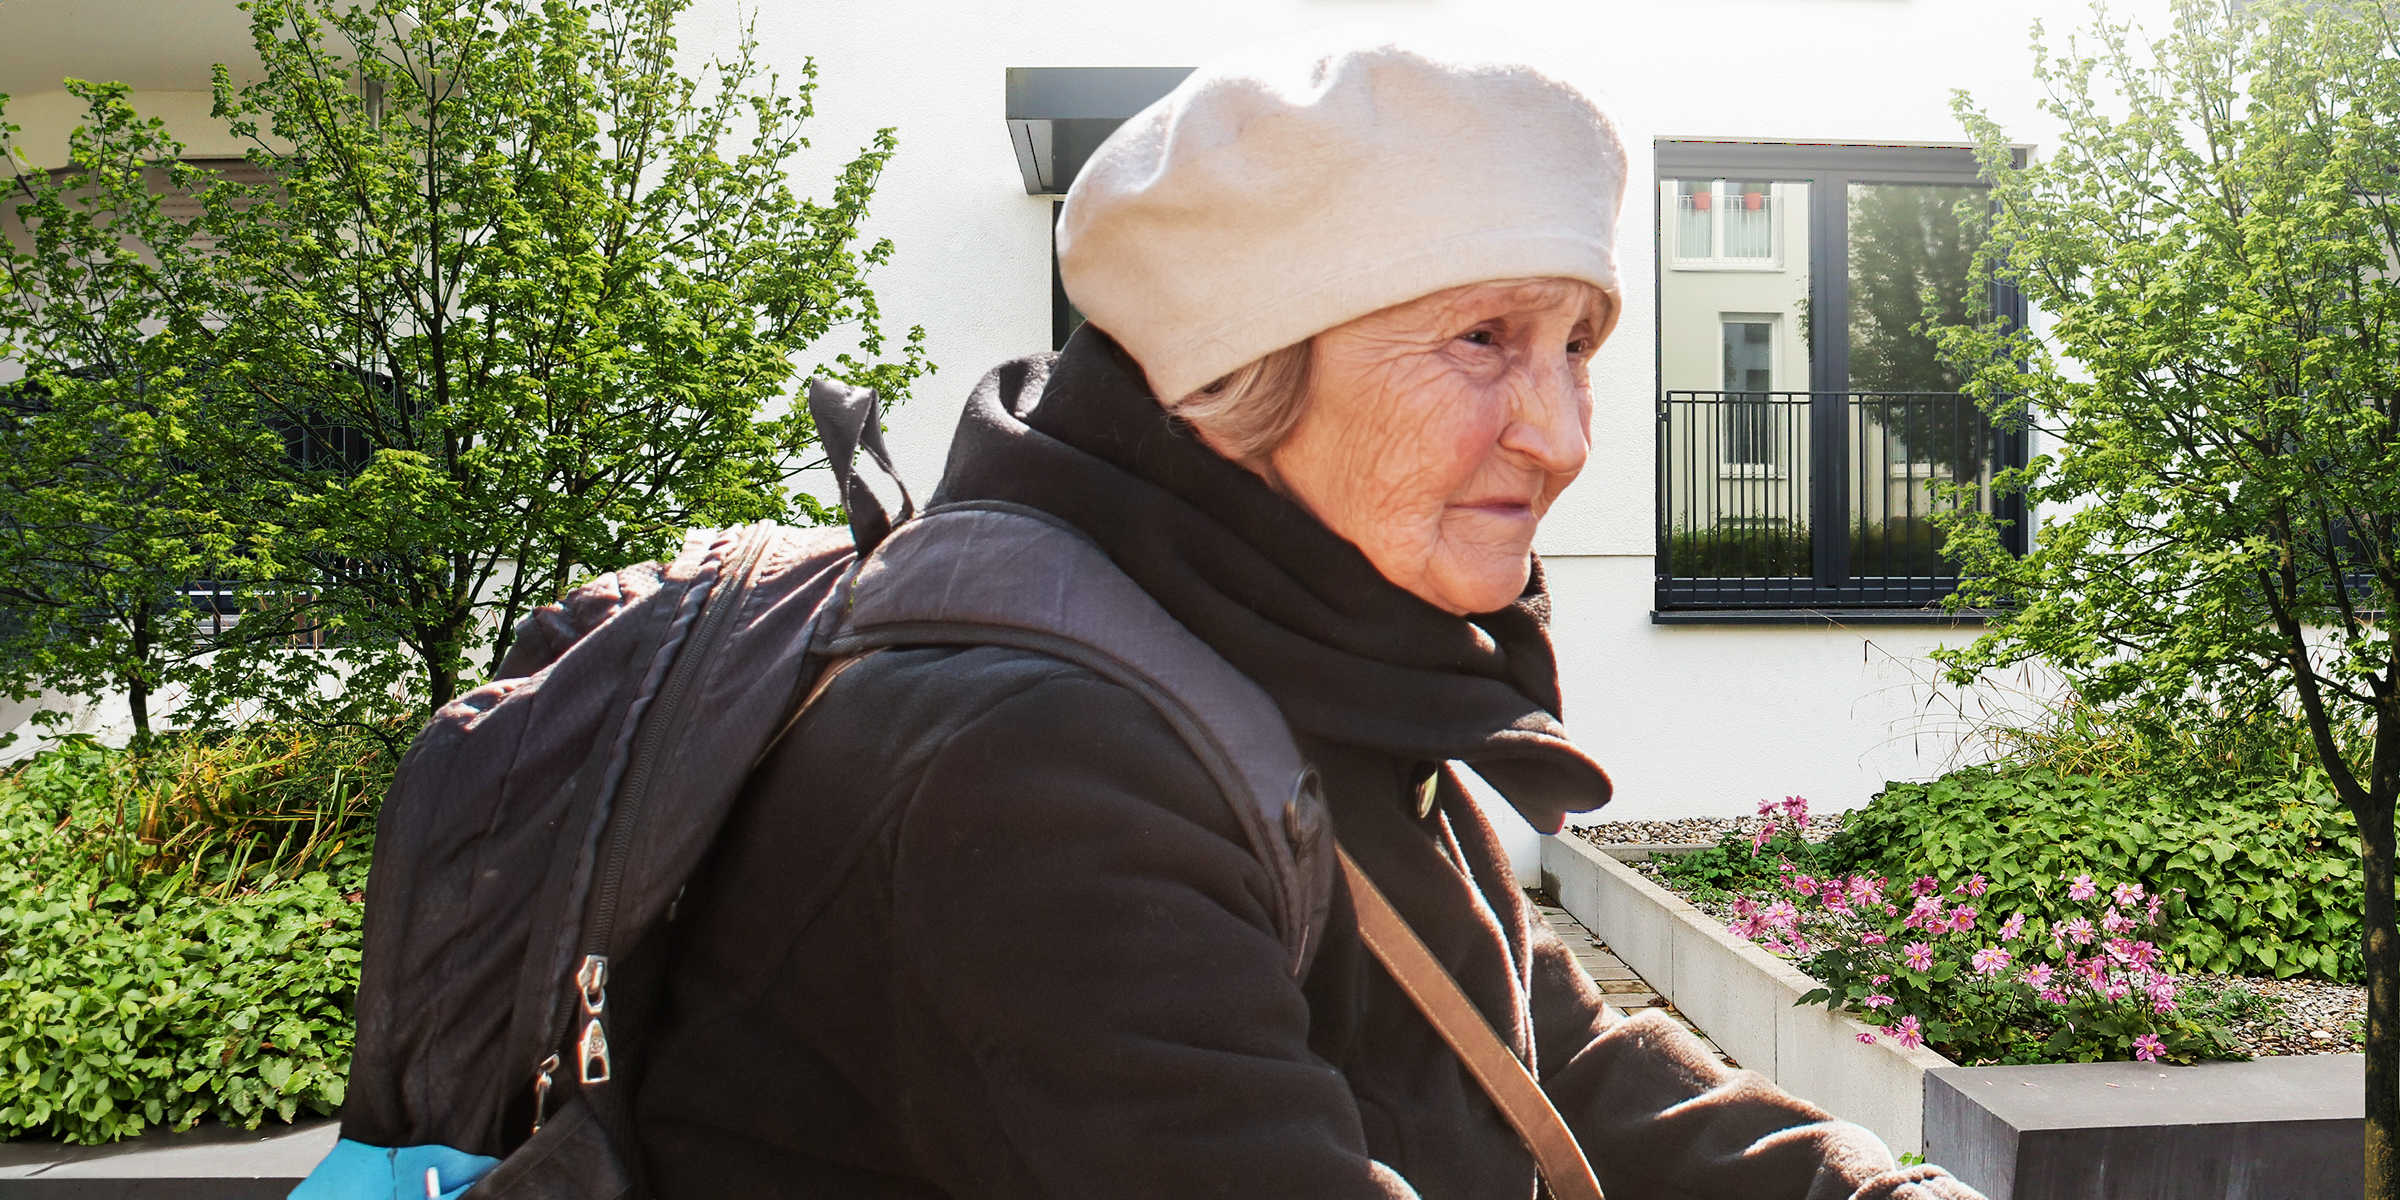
[1438, 432]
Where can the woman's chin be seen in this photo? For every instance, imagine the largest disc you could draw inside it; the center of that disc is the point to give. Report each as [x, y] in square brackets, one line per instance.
[1486, 584]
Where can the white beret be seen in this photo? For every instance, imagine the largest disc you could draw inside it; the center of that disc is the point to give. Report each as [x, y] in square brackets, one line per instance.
[1287, 188]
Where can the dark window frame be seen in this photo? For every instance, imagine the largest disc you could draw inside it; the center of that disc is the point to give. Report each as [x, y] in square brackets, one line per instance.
[1828, 170]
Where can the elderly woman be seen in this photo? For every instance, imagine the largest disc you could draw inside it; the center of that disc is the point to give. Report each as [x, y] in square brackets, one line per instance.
[1342, 293]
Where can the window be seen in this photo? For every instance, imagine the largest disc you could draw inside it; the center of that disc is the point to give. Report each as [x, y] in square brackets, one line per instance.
[1749, 377]
[1808, 430]
[1725, 225]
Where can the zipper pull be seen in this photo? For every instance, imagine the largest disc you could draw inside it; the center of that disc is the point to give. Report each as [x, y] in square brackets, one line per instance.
[591, 979]
[593, 1053]
[541, 1090]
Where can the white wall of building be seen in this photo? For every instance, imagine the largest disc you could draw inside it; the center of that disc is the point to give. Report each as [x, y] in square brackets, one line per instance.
[1692, 720]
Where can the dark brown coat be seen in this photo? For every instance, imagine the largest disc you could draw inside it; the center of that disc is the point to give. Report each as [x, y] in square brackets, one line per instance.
[982, 927]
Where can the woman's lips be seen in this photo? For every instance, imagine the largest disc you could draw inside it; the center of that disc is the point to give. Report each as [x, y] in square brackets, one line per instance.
[1507, 510]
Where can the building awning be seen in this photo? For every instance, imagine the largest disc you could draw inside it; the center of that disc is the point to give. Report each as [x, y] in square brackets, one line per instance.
[1058, 115]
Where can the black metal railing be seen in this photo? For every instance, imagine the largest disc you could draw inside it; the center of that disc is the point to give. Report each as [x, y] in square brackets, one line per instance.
[1819, 499]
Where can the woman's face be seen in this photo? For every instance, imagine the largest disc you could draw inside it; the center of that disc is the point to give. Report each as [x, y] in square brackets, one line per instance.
[1438, 432]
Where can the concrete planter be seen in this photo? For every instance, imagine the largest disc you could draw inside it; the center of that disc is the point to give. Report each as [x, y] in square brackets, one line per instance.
[208, 1163]
[1743, 996]
[2271, 1129]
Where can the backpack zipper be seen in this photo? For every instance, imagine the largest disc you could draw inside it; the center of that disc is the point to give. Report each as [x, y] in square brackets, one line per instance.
[591, 974]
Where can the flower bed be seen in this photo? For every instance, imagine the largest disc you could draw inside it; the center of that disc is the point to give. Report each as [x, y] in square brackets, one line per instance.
[2082, 977]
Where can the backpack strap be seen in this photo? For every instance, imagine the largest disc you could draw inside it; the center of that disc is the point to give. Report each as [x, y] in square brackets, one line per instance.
[1004, 575]
[1513, 1089]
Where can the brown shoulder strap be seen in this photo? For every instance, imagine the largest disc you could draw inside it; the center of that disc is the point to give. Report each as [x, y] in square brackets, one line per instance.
[1505, 1079]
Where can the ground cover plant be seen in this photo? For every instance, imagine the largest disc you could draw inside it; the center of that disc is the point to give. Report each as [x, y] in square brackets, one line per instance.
[2077, 974]
[179, 929]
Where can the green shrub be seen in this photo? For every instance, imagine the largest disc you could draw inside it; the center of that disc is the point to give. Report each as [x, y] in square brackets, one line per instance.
[2268, 866]
[1906, 545]
[179, 930]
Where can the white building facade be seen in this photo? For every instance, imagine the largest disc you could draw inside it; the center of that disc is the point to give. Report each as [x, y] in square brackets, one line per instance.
[1753, 419]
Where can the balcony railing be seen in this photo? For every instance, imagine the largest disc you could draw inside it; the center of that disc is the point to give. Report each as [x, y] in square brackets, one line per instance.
[1771, 500]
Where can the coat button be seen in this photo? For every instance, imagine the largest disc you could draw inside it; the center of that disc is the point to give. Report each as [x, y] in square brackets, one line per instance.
[1304, 813]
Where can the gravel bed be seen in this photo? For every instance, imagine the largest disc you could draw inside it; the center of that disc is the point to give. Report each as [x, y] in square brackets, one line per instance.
[2317, 1017]
[1693, 831]
[2300, 1016]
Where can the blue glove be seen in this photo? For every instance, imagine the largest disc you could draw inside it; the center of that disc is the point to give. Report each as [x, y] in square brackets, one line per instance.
[358, 1171]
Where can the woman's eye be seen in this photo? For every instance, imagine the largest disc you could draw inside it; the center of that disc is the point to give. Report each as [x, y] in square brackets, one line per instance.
[1578, 346]
[1481, 337]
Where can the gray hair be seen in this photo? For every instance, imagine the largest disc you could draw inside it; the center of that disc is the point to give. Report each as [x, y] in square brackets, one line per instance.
[1249, 412]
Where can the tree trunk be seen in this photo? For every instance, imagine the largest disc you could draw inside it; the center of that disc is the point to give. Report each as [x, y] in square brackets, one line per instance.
[441, 681]
[2382, 953]
[137, 680]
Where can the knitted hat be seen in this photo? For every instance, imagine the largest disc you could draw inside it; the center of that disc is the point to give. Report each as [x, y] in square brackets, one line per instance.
[1287, 188]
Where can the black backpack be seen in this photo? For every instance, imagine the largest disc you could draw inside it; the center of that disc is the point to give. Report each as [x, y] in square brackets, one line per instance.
[543, 826]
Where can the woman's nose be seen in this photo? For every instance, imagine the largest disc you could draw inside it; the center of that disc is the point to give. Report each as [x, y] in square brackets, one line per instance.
[1547, 426]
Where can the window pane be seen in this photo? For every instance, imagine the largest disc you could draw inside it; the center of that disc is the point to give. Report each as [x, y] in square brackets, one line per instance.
[1748, 214]
[1693, 219]
[1912, 432]
[1734, 358]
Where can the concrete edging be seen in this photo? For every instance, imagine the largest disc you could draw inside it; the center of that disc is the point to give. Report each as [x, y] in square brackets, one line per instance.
[1743, 996]
[213, 1162]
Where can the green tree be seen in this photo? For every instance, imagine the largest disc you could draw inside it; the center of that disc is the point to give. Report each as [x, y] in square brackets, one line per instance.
[2214, 238]
[515, 300]
[103, 527]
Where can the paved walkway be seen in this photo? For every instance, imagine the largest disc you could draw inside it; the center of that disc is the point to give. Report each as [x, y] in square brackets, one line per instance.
[1619, 984]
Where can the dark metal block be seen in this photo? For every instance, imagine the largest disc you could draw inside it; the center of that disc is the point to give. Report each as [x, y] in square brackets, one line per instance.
[1058, 115]
[213, 1162]
[2271, 1129]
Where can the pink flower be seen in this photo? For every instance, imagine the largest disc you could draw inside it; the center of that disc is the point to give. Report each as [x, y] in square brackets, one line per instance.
[2126, 894]
[1743, 906]
[1880, 980]
[2116, 922]
[1805, 885]
[1760, 838]
[1867, 1038]
[1837, 901]
[1797, 809]
[2116, 990]
[1781, 915]
[1991, 960]
[1752, 927]
[2054, 995]
[2012, 928]
[1925, 885]
[1877, 1002]
[1976, 886]
[2037, 975]
[1908, 1033]
[2162, 995]
[1872, 939]
[2147, 1047]
[1865, 890]
[1919, 956]
[1927, 914]
[1767, 808]
[2082, 888]
[1962, 919]
[2078, 931]
[2142, 954]
[2157, 904]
